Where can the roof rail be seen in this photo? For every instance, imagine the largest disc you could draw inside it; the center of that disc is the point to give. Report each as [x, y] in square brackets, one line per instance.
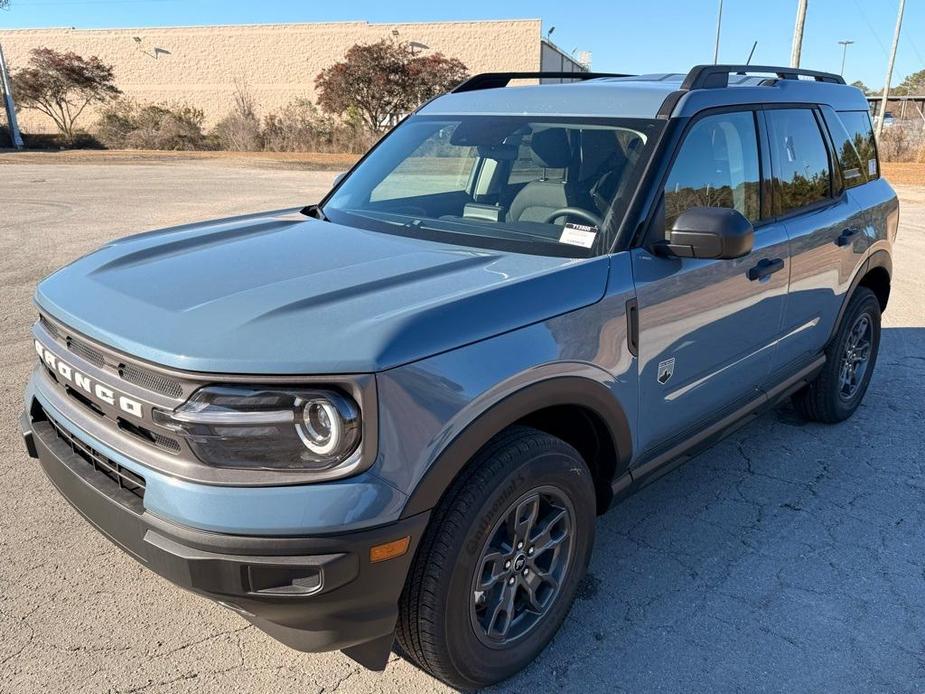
[712, 76]
[493, 80]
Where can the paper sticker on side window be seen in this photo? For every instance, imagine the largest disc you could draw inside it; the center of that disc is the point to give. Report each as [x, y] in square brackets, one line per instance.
[578, 235]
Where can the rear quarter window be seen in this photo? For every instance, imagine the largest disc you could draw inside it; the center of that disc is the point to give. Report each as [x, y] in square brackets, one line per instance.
[859, 130]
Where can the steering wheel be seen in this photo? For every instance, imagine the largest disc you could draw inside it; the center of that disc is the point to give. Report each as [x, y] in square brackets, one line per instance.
[584, 215]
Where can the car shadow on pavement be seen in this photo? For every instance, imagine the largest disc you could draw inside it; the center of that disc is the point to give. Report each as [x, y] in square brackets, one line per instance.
[791, 555]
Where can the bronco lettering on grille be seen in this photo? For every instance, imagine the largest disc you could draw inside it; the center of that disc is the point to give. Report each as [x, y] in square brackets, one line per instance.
[86, 384]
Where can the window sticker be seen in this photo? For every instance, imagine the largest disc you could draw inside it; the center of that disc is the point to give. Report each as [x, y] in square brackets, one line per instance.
[578, 235]
[872, 167]
[850, 174]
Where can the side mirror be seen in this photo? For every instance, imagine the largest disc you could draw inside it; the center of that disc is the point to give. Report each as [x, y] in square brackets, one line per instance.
[338, 178]
[709, 232]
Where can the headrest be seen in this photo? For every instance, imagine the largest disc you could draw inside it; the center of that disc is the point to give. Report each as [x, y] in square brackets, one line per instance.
[599, 148]
[550, 148]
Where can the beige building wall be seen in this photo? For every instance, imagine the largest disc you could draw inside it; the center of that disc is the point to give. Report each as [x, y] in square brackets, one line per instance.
[279, 62]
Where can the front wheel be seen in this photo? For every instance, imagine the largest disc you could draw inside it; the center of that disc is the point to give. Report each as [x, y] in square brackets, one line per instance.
[500, 564]
[837, 391]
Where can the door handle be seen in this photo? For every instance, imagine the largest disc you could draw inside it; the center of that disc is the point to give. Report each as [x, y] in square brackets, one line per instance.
[844, 238]
[765, 268]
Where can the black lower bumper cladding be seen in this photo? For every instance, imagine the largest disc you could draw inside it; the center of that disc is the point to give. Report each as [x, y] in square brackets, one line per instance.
[311, 593]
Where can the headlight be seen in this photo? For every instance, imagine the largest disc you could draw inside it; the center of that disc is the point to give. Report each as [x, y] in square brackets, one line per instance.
[267, 428]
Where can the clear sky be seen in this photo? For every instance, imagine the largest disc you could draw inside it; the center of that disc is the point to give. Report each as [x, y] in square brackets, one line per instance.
[623, 35]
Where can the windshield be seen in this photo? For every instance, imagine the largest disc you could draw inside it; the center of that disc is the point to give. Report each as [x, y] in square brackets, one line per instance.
[550, 186]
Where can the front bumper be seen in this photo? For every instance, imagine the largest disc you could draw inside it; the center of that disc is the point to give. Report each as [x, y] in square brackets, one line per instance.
[311, 593]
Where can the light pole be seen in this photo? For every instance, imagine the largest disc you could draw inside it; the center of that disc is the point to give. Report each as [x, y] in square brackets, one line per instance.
[6, 94]
[889, 68]
[719, 24]
[844, 54]
[798, 34]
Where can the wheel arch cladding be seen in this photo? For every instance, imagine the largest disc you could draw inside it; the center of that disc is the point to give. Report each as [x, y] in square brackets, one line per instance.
[875, 274]
[877, 279]
[582, 412]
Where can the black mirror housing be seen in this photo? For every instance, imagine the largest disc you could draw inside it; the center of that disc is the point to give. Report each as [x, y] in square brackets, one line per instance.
[710, 232]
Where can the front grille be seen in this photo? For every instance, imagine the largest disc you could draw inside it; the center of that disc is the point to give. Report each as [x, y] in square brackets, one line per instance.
[124, 478]
[94, 356]
[163, 442]
[50, 327]
[151, 381]
[132, 373]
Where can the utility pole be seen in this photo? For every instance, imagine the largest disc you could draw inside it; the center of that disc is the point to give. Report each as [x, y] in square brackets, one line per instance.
[8, 101]
[719, 24]
[798, 34]
[844, 54]
[889, 68]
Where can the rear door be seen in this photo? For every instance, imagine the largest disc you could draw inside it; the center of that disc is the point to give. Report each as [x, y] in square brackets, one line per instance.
[824, 225]
[706, 331]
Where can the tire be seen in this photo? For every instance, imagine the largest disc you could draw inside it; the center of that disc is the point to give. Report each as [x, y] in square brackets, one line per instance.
[443, 611]
[829, 398]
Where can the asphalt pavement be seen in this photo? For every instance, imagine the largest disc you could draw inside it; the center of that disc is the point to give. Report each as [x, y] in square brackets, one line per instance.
[789, 557]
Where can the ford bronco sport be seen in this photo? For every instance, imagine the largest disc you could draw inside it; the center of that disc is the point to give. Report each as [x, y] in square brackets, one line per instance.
[395, 415]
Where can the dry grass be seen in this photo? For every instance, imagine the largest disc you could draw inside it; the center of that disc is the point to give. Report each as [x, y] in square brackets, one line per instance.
[904, 173]
[911, 173]
[303, 160]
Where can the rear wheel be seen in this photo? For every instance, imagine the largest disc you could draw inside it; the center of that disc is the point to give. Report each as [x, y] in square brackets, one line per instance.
[499, 566]
[837, 391]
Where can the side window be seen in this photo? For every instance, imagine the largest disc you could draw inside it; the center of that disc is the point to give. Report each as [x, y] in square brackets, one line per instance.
[717, 166]
[859, 128]
[801, 157]
[853, 169]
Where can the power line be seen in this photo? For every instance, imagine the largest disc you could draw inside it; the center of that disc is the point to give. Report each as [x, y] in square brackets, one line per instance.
[915, 49]
[873, 32]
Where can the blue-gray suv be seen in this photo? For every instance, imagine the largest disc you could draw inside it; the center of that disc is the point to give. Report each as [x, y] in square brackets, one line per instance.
[394, 415]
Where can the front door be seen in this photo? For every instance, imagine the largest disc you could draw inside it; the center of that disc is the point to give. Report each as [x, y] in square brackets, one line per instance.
[707, 332]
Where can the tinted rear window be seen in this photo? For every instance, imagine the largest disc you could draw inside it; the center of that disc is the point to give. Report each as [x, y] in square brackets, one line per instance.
[853, 171]
[802, 160]
[858, 126]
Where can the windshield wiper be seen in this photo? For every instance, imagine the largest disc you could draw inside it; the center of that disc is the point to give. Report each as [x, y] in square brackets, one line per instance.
[315, 212]
[455, 229]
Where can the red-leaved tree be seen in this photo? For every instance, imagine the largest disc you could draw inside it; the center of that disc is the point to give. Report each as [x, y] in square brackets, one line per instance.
[381, 81]
[62, 85]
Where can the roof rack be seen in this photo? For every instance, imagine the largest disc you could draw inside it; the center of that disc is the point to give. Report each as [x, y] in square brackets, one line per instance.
[712, 76]
[493, 80]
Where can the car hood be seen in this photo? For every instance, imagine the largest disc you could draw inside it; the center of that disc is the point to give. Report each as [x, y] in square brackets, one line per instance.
[277, 293]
